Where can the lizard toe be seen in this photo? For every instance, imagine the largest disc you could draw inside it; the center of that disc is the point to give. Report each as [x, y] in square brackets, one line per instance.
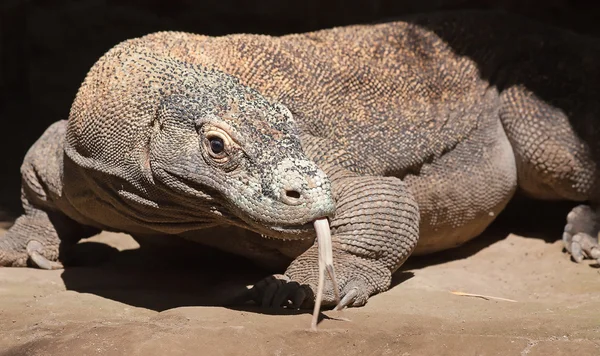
[13, 251]
[30, 241]
[357, 279]
[354, 294]
[11, 258]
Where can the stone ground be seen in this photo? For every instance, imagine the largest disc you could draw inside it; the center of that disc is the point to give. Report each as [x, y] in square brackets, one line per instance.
[142, 303]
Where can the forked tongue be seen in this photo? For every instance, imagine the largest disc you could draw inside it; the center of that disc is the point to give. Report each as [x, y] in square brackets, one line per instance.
[325, 266]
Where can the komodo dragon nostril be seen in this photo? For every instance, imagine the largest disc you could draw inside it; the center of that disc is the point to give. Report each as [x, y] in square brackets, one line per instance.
[291, 196]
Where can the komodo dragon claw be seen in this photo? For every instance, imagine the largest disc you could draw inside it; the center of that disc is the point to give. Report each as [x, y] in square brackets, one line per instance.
[348, 299]
[34, 250]
[578, 236]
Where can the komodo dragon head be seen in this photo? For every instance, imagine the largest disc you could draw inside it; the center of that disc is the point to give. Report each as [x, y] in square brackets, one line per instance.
[193, 143]
[238, 150]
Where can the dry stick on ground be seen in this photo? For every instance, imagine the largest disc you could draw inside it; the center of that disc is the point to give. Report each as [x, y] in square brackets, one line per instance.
[486, 297]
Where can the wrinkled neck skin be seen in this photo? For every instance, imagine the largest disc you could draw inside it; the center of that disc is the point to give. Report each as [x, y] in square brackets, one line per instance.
[124, 200]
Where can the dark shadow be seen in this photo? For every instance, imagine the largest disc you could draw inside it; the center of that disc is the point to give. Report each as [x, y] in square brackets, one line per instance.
[7, 219]
[159, 279]
[400, 277]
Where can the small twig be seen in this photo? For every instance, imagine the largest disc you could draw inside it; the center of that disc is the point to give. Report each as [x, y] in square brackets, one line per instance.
[486, 297]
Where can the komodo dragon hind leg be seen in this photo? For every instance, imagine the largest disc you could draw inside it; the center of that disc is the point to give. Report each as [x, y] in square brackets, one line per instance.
[556, 161]
[580, 235]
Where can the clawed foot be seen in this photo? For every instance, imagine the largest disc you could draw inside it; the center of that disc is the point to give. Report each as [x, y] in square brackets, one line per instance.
[14, 253]
[35, 251]
[357, 278]
[580, 235]
[281, 291]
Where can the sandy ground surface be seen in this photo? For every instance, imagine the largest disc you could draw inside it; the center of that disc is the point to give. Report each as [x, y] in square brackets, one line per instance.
[143, 303]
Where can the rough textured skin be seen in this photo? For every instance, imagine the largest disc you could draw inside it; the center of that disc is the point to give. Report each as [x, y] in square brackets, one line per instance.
[391, 130]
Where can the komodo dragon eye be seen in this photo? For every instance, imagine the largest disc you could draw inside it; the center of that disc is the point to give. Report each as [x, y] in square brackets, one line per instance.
[217, 145]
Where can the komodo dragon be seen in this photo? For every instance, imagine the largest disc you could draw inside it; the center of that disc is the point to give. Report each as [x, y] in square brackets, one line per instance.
[420, 129]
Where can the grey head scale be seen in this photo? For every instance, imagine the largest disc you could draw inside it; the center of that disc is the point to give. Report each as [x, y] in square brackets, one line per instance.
[238, 155]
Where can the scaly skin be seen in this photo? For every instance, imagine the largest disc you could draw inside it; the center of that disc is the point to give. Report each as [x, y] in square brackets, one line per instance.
[420, 129]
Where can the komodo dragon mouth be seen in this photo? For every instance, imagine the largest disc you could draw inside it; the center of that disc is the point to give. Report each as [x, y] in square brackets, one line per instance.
[296, 228]
[283, 232]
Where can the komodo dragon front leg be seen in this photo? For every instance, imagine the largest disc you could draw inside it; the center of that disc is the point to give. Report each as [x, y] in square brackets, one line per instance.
[33, 238]
[43, 231]
[374, 231]
[37, 238]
